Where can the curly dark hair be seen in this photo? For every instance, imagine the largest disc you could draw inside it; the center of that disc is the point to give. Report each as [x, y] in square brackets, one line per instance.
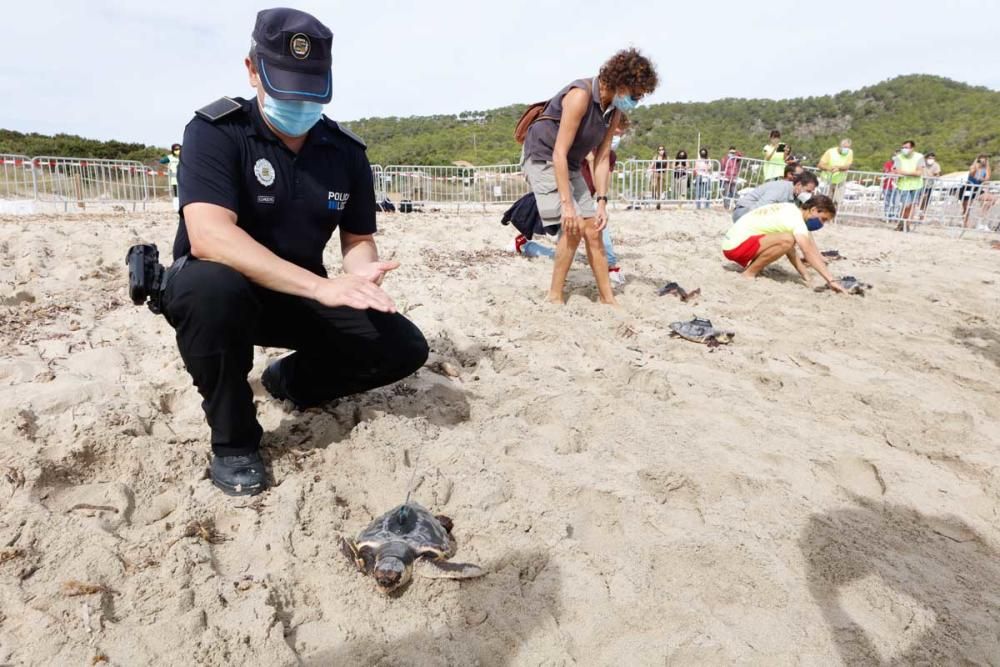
[629, 69]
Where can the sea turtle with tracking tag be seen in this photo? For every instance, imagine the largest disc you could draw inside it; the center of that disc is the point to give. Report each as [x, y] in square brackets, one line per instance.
[701, 330]
[391, 544]
[850, 284]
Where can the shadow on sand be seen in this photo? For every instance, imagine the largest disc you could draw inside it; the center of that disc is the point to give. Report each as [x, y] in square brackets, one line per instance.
[929, 586]
[439, 400]
[981, 340]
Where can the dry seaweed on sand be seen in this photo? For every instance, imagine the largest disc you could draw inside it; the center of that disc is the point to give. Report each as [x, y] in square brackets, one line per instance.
[203, 529]
[10, 553]
[76, 588]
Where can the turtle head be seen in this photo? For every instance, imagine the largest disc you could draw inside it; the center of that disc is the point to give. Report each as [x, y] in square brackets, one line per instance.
[391, 573]
[393, 566]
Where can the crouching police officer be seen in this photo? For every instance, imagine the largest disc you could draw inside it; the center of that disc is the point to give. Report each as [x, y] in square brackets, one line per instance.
[263, 185]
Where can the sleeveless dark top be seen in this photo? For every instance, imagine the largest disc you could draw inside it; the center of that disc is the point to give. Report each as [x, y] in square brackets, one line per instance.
[541, 138]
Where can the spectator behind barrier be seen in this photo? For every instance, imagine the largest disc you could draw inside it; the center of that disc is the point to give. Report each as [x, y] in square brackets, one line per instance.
[909, 166]
[834, 166]
[730, 176]
[703, 179]
[932, 170]
[776, 153]
[979, 173]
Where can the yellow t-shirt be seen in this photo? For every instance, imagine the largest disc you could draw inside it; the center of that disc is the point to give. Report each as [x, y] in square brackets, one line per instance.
[770, 219]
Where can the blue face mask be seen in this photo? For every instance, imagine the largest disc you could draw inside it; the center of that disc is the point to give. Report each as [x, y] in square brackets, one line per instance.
[624, 103]
[814, 224]
[292, 117]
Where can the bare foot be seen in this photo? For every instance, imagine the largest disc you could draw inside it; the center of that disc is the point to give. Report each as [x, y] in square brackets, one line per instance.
[554, 298]
[746, 275]
[611, 302]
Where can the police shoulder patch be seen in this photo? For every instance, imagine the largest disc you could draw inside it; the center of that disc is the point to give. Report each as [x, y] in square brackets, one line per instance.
[220, 108]
[350, 135]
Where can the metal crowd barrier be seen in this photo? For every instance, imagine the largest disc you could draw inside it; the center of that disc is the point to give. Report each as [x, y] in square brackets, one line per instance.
[422, 185]
[636, 183]
[499, 184]
[378, 181]
[656, 182]
[83, 181]
[158, 184]
[945, 202]
[17, 179]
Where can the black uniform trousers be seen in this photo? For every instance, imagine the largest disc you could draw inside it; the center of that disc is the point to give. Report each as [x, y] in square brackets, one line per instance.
[219, 316]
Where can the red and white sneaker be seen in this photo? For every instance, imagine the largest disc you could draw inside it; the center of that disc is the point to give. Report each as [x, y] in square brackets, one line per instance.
[616, 275]
[517, 245]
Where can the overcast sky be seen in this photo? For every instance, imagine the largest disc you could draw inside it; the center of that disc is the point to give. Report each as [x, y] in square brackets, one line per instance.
[135, 71]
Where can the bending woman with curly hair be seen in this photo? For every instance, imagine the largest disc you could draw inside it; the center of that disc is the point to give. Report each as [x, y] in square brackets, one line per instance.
[581, 118]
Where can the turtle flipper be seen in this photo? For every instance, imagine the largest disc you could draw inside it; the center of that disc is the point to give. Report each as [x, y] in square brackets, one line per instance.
[445, 569]
[693, 294]
[350, 549]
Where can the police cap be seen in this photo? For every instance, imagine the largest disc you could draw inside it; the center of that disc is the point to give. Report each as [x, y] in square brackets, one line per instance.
[293, 55]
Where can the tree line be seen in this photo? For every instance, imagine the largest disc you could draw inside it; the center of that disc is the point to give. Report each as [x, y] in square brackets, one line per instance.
[955, 120]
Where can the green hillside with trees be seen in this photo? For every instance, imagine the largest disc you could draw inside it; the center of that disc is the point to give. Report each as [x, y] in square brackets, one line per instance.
[70, 145]
[955, 120]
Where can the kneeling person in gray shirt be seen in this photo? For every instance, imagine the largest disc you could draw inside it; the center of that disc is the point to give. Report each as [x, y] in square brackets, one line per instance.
[777, 192]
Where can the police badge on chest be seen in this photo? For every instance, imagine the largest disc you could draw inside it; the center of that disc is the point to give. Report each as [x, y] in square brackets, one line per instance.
[337, 201]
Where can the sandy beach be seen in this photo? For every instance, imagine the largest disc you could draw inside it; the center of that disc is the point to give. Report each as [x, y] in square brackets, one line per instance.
[822, 491]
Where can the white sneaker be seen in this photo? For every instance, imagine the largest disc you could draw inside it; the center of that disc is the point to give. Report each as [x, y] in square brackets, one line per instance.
[982, 228]
[617, 277]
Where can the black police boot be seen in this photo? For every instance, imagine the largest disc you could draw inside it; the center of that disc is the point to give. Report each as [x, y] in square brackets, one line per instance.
[239, 475]
[272, 383]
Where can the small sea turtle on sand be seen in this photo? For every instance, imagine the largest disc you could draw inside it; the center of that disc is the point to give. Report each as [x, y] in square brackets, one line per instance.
[850, 284]
[701, 331]
[677, 290]
[388, 547]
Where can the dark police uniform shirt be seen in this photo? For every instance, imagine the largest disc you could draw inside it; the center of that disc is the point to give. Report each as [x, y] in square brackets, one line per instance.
[289, 203]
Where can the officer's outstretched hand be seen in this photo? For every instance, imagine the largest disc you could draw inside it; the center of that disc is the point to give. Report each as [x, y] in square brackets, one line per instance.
[353, 291]
[375, 271]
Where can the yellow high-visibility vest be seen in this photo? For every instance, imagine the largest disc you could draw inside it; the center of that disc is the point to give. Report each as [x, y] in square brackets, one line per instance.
[909, 164]
[837, 159]
[774, 166]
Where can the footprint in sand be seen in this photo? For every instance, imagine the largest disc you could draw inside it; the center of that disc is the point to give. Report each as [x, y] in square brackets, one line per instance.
[651, 381]
[665, 484]
[859, 477]
[110, 504]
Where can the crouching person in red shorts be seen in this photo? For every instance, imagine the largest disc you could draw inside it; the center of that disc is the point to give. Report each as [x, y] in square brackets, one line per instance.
[765, 235]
